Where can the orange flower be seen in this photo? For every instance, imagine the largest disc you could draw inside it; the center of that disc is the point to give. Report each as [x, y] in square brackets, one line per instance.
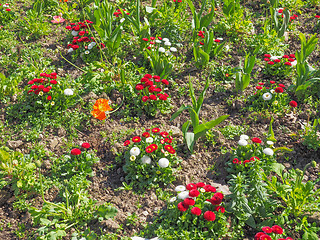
[99, 109]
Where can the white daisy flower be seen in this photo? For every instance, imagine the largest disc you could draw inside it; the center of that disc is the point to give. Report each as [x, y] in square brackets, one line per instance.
[267, 96]
[52, 103]
[135, 151]
[165, 39]
[149, 9]
[275, 57]
[40, 93]
[161, 49]
[149, 140]
[269, 142]
[221, 39]
[180, 188]
[132, 158]
[272, 91]
[68, 92]
[173, 199]
[74, 33]
[294, 63]
[173, 49]
[243, 142]
[244, 137]
[183, 195]
[122, 20]
[158, 41]
[268, 151]
[167, 43]
[86, 52]
[70, 50]
[146, 159]
[163, 162]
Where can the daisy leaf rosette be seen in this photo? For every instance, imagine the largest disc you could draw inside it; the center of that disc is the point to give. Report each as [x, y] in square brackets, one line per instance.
[197, 209]
[82, 41]
[150, 159]
[160, 53]
[278, 66]
[251, 153]
[152, 96]
[269, 96]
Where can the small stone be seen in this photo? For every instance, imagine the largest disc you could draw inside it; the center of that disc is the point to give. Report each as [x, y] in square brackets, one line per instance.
[53, 143]
[61, 132]
[153, 196]
[175, 131]
[90, 96]
[46, 164]
[222, 188]
[118, 171]
[145, 213]
[122, 179]
[110, 224]
[14, 144]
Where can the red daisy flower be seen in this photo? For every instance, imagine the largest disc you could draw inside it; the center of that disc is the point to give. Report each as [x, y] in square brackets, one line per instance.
[75, 151]
[136, 139]
[85, 145]
[293, 104]
[155, 130]
[196, 211]
[209, 216]
[256, 140]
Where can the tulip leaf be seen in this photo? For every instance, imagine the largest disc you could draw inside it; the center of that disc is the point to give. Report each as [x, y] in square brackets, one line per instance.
[208, 125]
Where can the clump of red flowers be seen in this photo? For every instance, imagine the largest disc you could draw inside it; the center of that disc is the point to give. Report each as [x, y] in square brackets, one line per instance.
[152, 140]
[118, 12]
[201, 35]
[287, 60]
[198, 194]
[150, 88]
[81, 37]
[274, 231]
[239, 162]
[42, 86]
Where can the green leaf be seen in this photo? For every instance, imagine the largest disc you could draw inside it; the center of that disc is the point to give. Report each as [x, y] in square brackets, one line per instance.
[205, 57]
[310, 236]
[106, 211]
[201, 97]
[180, 110]
[282, 149]
[277, 168]
[191, 93]
[4, 156]
[185, 127]
[189, 137]
[270, 132]
[251, 222]
[194, 118]
[44, 221]
[208, 125]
